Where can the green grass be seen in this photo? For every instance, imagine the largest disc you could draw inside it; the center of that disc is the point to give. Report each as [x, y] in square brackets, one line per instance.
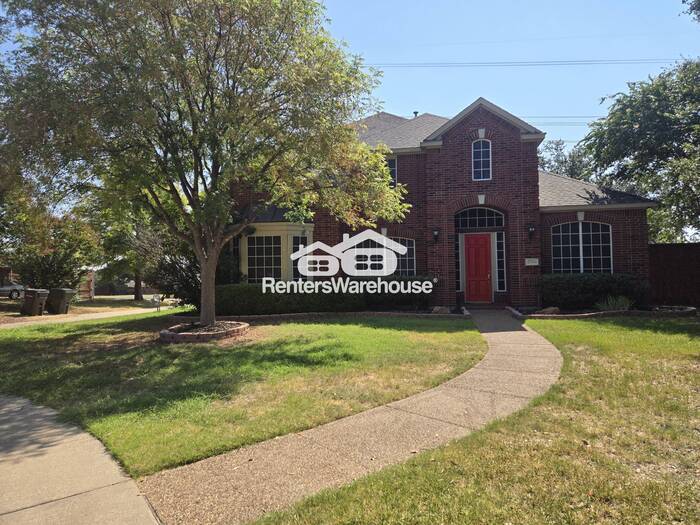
[616, 440]
[157, 406]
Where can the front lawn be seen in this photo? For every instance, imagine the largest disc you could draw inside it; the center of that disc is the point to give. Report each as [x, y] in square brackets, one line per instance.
[616, 440]
[157, 406]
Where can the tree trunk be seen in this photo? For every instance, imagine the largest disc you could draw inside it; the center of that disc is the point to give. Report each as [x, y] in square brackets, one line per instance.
[207, 308]
[138, 284]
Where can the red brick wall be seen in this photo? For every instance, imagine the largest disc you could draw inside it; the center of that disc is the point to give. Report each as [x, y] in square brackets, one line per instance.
[629, 238]
[513, 189]
[439, 183]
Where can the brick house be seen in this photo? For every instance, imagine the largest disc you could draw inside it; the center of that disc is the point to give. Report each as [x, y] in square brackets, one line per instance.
[484, 220]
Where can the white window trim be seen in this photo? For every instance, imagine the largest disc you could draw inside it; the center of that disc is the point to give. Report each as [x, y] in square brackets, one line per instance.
[495, 262]
[285, 230]
[580, 245]
[490, 162]
[415, 262]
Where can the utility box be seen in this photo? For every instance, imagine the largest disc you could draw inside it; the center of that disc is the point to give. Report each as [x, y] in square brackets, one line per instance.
[34, 301]
[59, 300]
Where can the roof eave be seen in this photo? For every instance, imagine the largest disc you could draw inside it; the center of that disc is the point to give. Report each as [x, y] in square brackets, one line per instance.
[533, 137]
[489, 106]
[596, 207]
[395, 151]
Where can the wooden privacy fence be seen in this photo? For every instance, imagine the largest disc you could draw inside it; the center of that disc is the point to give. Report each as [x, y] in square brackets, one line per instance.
[674, 273]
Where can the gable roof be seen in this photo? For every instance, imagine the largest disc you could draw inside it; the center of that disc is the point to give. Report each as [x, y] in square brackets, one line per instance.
[403, 133]
[378, 122]
[559, 193]
[481, 102]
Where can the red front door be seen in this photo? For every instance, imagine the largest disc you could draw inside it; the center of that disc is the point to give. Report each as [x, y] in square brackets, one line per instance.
[477, 258]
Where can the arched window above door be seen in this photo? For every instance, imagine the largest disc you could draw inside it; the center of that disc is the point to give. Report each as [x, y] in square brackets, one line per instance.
[479, 217]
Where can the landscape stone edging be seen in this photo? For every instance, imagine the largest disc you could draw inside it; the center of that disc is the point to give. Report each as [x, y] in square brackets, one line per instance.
[263, 317]
[689, 311]
[173, 335]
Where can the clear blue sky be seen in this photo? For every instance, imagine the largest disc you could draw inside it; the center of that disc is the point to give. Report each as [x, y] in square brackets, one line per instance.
[391, 31]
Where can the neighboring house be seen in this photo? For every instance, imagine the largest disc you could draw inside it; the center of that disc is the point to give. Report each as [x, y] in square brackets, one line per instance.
[484, 221]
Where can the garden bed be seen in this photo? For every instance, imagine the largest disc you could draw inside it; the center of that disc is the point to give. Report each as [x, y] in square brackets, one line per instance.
[655, 311]
[195, 332]
[187, 318]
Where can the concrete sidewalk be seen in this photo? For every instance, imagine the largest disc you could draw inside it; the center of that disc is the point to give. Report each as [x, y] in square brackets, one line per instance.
[68, 318]
[244, 484]
[56, 473]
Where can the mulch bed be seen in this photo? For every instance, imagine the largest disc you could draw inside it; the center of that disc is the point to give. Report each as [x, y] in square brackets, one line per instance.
[658, 311]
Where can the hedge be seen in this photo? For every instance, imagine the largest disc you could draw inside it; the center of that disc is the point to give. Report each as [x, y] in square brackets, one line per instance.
[575, 291]
[248, 299]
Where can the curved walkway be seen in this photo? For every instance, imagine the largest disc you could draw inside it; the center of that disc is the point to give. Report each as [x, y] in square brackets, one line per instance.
[244, 484]
[56, 473]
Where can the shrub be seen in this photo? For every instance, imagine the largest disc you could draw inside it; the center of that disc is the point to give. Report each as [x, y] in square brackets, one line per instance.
[390, 301]
[56, 257]
[584, 290]
[614, 303]
[248, 299]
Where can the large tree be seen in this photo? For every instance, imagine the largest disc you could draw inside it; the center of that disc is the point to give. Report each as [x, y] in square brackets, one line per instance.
[650, 141]
[693, 8]
[554, 157]
[193, 106]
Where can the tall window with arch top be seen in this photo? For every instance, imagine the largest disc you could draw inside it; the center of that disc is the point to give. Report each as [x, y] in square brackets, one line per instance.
[481, 159]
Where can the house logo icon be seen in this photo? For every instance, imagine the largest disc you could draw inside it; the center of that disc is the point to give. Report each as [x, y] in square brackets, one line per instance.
[367, 254]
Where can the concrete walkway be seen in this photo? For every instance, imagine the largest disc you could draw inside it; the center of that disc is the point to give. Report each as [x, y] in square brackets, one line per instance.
[58, 474]
[68, 318]
[244, 484]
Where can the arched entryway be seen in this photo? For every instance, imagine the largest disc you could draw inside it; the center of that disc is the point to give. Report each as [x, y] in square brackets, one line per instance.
[480, 254]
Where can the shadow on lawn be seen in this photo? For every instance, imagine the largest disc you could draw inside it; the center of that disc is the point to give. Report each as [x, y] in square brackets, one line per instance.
[95, 369]
[97, 381]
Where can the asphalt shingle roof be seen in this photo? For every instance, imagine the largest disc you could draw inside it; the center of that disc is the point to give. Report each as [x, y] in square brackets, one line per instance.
[398, 132]
[557, 190]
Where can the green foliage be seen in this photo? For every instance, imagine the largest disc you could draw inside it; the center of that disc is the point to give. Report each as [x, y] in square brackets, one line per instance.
[650, 141]
[401, 301]
[170, 266]
[610, 304]
[554, 158]
[576, 291]
[248, 299]
[693, 8]
[59, 260]
[187, 107]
